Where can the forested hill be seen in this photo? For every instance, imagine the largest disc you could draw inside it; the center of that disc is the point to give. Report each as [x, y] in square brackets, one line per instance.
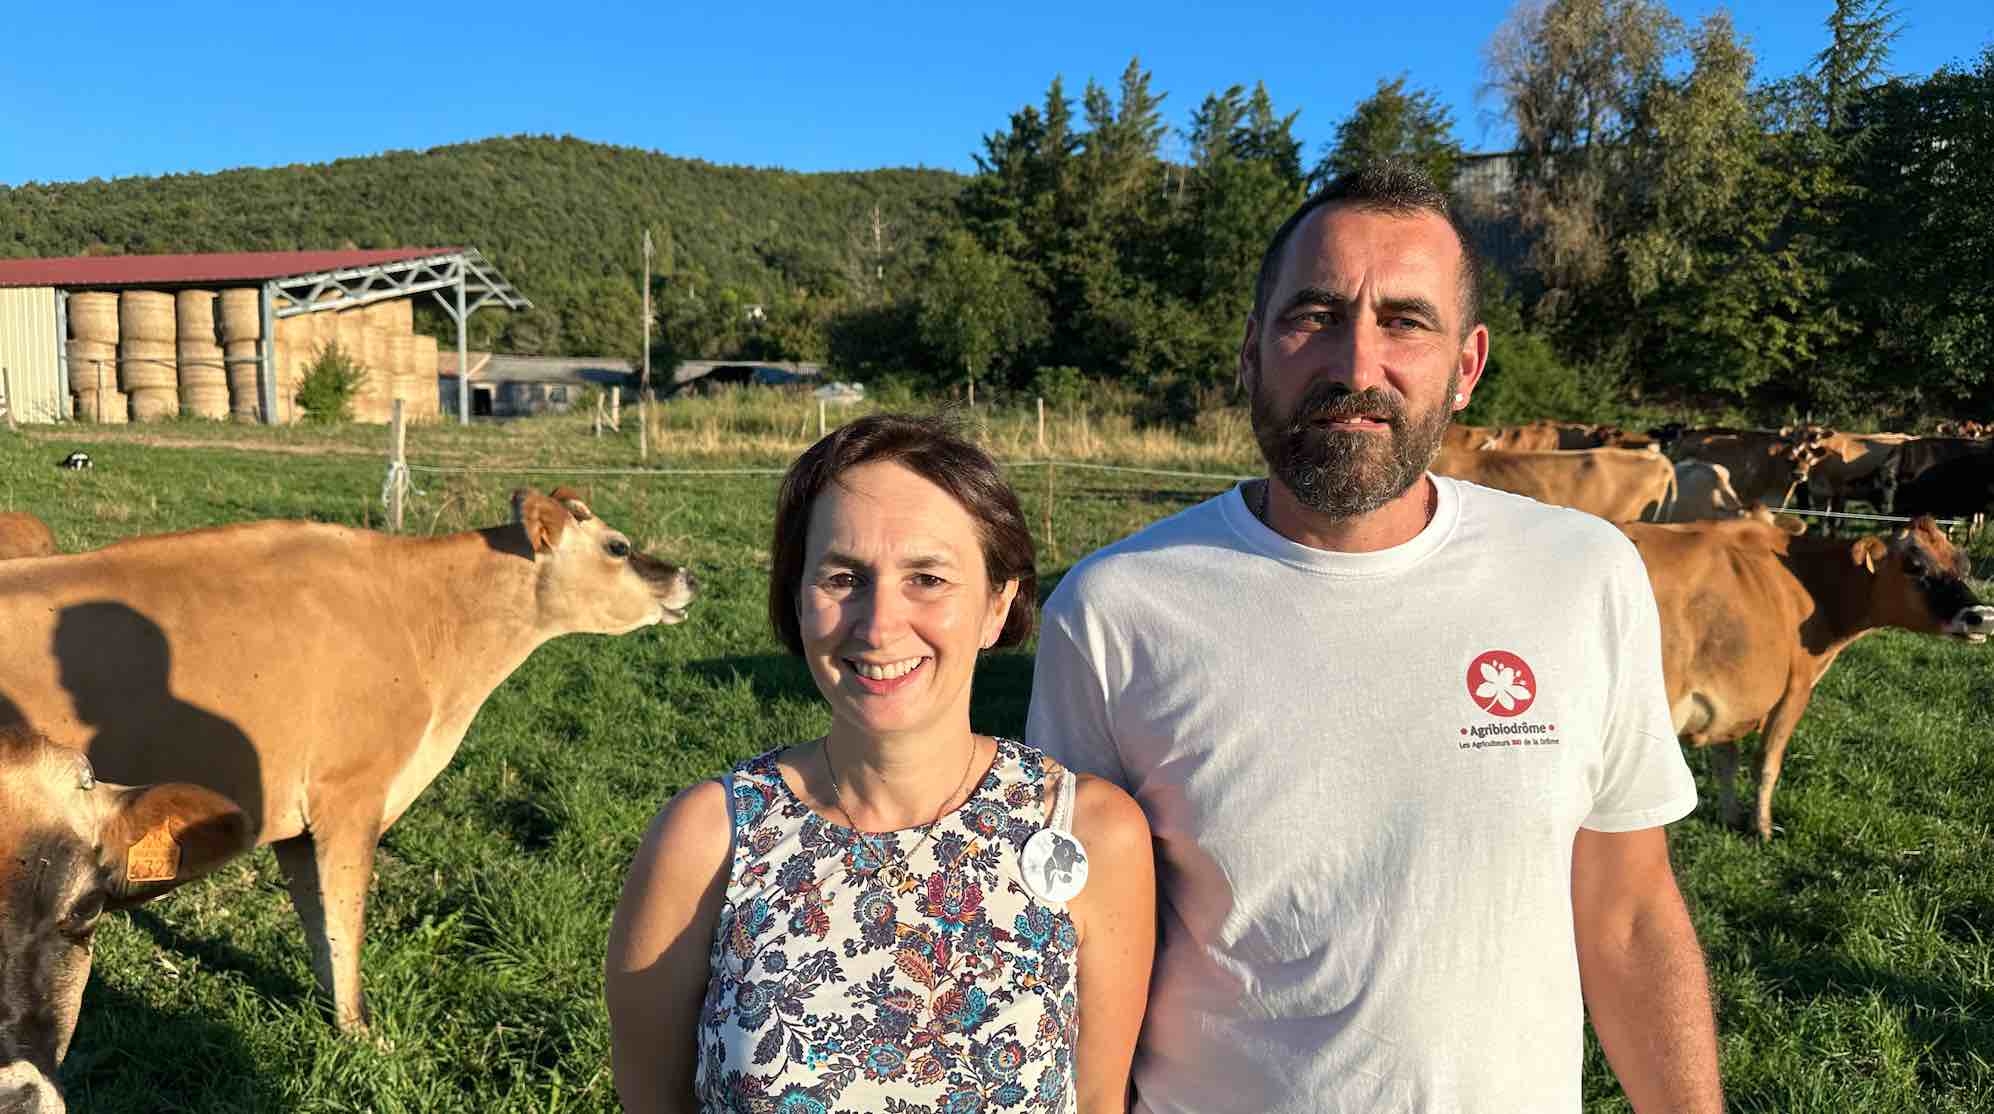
[562, 218]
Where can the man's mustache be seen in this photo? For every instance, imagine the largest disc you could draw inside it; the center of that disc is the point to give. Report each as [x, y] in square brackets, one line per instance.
[1334, 402]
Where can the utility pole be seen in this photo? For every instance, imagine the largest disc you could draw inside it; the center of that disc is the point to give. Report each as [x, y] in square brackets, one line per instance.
[644, 377]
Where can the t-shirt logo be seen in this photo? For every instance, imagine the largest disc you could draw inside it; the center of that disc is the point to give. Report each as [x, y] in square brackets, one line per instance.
[1501, 684]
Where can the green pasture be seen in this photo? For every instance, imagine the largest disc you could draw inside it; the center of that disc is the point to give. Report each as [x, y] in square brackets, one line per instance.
[1852, 959]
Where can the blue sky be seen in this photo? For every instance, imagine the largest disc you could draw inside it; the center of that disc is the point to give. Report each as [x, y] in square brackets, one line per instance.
[167, 86]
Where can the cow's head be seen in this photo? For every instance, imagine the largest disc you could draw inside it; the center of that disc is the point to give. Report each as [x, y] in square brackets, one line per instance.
[1920, 583]
[72, 847]
[592, 578]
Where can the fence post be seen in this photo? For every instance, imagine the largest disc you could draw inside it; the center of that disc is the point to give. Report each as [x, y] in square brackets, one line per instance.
[397, 467]
[1041, 403]
[1051, 539]
[616, 410]
[820, 419]
[7, 389]
[100, 391]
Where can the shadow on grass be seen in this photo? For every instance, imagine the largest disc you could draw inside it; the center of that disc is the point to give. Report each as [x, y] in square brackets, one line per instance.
[133, 1056]
[998, 697]
[216, 955]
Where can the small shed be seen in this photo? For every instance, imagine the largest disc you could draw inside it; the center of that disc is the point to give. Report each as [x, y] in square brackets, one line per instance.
[516, 386]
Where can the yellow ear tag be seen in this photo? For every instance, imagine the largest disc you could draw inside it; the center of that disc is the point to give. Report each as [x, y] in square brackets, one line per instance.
[154, 858]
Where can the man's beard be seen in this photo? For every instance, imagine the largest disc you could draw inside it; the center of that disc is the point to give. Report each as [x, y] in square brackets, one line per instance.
[1343, 473]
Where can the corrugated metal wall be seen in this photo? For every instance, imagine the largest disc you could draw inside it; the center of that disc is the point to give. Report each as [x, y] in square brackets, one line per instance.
[29, 342]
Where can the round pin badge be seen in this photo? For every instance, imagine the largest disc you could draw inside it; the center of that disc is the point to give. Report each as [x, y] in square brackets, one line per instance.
[1054, 865]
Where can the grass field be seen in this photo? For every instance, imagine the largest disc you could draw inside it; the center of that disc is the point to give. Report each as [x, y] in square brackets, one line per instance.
[1851, 957]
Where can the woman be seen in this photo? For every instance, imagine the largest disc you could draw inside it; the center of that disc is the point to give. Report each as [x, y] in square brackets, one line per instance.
[887, 917]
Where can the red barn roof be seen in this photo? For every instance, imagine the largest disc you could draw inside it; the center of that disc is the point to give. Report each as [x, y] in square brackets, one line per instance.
[187, 270]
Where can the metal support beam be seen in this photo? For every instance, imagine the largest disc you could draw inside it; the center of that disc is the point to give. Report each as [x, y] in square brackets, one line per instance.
[266, 375]
[62, 355]
[463, 360]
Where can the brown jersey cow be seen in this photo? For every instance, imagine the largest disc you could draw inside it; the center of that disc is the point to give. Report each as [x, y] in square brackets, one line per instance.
[1619, 485]
[24, 535]
[1765, 466]
[1752, 616]
[318, 676]
[72, 847]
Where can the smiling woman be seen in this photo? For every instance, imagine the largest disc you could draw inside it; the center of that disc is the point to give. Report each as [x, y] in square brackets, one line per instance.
[849, 923]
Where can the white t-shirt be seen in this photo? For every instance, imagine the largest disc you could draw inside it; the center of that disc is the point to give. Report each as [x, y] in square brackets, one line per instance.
[1365, 773]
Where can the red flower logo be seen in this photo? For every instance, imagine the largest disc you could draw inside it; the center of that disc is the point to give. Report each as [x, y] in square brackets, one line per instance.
[1501, 684]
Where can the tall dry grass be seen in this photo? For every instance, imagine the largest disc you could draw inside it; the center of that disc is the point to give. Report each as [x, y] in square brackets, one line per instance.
[765, 423]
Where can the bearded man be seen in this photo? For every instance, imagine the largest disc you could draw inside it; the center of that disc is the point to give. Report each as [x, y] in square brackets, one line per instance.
[1403, 741]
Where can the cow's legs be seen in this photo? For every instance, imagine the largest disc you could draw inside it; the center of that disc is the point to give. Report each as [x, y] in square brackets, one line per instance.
[328, 872]
[1724, 771]
[1774, 735]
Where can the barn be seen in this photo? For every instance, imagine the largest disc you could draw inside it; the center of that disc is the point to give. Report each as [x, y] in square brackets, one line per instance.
[115, 338]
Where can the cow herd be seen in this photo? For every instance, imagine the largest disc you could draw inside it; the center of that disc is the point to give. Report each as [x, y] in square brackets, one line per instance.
[299, 684]
[1950, 475]
[1752, 612]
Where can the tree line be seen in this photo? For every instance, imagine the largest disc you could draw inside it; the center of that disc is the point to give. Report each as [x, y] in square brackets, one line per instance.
[1678, 232]
[1674, 230]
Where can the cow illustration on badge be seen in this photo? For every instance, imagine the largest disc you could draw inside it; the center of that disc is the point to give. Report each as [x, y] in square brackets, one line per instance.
[1054, 865]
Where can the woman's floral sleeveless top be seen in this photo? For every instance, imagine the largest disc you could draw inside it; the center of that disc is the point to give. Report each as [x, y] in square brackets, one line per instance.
[946, 986]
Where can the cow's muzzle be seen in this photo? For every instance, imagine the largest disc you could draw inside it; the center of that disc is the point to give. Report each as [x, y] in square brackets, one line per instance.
[1972, 623]
[25, 1090]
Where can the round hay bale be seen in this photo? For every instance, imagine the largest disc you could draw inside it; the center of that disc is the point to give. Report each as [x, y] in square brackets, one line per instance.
[204, 402]
[116, 408]
[147, 365]
[145, 315]
[194, 316]
[201, 364]
[87, 358]
[154, 404]
[93, 316]
[242, 314]
[244, 374]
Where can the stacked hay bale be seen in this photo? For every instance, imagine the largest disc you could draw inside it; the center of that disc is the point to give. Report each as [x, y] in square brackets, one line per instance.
[401, 358]
[299, 346]
[424, 405]
[203, 378]
[375, 398]
[242, 335]
[146, 354]
[93, 358]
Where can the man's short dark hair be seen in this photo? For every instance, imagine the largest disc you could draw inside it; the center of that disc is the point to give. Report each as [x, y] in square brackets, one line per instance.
[930, 449]
[1384, 186]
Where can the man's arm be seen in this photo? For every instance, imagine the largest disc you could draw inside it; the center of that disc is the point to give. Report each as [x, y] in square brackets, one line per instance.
[1642, 972]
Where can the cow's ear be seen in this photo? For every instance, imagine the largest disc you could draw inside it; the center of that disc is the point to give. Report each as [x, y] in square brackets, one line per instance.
[1791, 523]
[155, 837]
[572, 499]
[1868, 552]
[543, 518]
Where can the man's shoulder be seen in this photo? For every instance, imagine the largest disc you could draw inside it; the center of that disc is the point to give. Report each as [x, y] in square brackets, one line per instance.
[1524, 528]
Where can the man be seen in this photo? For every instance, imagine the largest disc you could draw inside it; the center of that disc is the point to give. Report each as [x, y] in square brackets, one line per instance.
[1403, 741]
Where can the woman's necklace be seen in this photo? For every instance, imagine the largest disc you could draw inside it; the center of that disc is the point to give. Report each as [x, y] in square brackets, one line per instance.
[897, 877]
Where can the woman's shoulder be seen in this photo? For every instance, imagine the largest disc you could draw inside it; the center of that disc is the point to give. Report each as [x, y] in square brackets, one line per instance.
[693, 834]
[1106, 817]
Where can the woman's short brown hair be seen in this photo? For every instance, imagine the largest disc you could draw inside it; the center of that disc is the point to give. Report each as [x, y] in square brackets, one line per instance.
[930, 449]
